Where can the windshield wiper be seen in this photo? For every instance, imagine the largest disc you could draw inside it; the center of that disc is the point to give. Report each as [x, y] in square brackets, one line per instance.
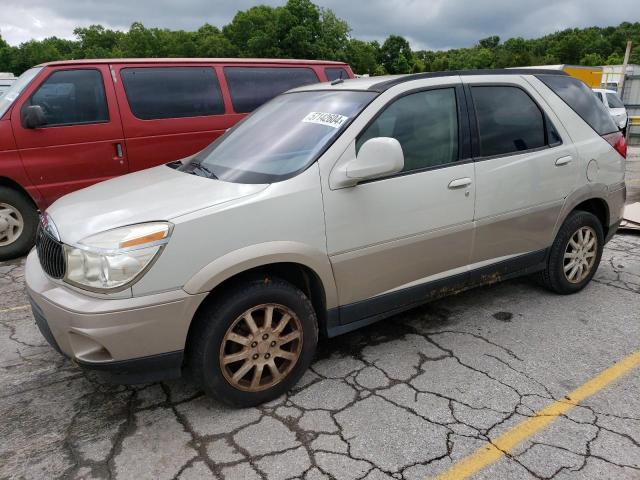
[199, 166]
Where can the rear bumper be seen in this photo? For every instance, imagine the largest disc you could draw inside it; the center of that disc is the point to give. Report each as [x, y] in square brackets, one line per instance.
[133, 340]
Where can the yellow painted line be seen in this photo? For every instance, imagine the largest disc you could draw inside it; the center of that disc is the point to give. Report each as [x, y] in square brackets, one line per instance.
[13, 309]
[506, 442]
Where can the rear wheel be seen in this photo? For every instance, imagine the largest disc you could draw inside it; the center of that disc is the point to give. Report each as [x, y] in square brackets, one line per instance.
[255, 343]
[18, 224]
[575, 254]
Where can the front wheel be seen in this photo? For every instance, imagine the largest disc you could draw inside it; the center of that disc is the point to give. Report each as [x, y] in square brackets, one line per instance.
[18, 224]
[575, 254]
[255, 343]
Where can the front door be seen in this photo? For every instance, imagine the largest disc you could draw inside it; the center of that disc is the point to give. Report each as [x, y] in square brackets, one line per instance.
[388, 235]
[81, 142]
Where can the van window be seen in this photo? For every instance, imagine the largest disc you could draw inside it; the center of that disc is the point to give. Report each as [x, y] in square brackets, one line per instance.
[578, 96]
[250, 87]
[508, 120]
[172, 92]
[425, 124]
[72, 97]
[335, 73]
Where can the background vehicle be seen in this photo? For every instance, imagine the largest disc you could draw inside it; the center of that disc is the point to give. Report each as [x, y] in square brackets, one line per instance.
[66, 125]
[618, 112]
[6, 80]
[329, 208]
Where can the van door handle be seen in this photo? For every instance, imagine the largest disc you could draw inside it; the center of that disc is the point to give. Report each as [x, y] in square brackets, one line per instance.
[459, 183]
[119, 153]
[563, 161]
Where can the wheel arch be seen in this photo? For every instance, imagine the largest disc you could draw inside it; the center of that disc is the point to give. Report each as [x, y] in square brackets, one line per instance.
[591, 198]
[10, 183]
[304, 267]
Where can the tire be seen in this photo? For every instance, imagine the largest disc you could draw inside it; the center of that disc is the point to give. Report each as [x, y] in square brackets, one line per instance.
[18, 224]
[220, 319]
[554, 277]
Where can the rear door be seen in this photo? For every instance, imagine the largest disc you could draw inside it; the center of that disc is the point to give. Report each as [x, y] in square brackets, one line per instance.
[82, 141]
[525, 166]
[170, 110]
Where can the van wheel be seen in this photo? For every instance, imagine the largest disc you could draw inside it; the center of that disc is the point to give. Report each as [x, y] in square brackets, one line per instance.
[575, 254]
[253, 344]
[18, 224]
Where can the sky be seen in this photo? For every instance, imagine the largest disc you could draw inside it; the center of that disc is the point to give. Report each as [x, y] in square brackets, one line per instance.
[427, 24]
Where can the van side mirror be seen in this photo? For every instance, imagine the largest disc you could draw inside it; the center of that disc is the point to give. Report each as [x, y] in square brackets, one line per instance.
[377, 157]
[33, 117]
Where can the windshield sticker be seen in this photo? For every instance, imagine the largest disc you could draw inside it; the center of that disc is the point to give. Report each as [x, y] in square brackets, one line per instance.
[333, 120]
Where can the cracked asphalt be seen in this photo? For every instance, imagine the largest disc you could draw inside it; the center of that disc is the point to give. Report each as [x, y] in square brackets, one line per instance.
[403, 399]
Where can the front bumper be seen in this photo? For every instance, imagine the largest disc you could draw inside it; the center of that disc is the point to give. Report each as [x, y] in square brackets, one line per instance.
[135, 339]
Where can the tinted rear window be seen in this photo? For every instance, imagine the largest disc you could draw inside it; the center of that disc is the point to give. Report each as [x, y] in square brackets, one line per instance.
[172, 92]
[335, 73]
[582, 101]
[508, 120]
[250, 87]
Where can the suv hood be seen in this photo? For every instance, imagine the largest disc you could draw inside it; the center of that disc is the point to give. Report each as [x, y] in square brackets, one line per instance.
[159, 193]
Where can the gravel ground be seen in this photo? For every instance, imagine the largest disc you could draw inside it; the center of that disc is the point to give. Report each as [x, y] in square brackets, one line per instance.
[403, 399]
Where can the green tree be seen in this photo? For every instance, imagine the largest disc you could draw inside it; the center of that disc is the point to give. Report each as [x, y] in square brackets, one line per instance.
[396, 55]
[362, 56]
[489, 42]
[591, 60]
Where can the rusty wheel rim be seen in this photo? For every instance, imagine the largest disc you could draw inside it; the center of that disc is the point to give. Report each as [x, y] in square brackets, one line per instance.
[261, 347]
[580, 254]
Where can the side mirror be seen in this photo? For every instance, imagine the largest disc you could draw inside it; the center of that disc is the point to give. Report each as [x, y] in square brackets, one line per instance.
[33, 117]
[377, 157]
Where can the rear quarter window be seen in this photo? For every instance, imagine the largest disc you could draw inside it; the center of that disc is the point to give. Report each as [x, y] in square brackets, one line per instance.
[250, 87]
[582, 101]
[172, 92]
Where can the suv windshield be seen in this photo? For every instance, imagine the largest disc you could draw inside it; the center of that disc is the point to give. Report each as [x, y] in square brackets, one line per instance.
[16, 89]
[280, 139]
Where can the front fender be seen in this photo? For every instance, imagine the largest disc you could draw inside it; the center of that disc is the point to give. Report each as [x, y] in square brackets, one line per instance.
[243, 259]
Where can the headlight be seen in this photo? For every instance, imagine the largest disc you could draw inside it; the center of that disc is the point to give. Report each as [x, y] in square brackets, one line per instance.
[115, 258]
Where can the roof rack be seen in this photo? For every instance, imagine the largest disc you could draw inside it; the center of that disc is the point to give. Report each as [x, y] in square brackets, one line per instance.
[382, 86]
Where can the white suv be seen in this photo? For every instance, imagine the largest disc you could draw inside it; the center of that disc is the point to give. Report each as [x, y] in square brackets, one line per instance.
[329, 208]
[611, 100]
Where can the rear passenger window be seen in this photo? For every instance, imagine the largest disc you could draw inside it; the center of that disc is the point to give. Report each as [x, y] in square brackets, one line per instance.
[425, 124]
[172, 92]
[335, 73]
[581, 100]
[508, 120]
[250, 87]
[72, 97]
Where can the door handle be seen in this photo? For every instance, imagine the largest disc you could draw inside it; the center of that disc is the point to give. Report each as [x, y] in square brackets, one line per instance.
[119, 153]
[563, 161]
[459, 183]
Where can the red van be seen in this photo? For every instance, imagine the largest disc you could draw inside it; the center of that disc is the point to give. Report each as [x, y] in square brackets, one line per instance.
[68, 124]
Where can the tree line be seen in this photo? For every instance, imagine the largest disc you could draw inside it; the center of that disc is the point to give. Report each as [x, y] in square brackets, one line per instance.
[301, 29]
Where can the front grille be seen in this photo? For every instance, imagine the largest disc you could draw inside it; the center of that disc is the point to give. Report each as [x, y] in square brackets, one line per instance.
[51, 254]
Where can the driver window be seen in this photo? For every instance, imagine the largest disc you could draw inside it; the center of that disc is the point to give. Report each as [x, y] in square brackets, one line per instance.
[72, 97]
[425, 124]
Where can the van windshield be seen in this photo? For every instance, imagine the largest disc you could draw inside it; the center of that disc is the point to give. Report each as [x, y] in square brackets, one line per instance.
[16, 89]
[281, 138]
